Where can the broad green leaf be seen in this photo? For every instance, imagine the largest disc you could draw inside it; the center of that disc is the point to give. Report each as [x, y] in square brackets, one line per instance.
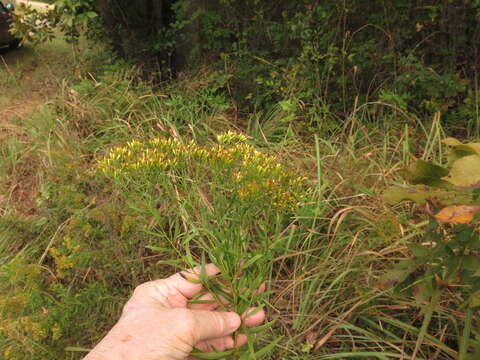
[91, 14]
[465, 172]
[451, 142]
[451, 265]
[456, 154]
[466, 237]
[398, 273]
[472, 263]
[420, 194]
[395, 194]
[473, 148]
[424, 289]
[418, 250]
[474, 300]
[460, 150]
[426, 173]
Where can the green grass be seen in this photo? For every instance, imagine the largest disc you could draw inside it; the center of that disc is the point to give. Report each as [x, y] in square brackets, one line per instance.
[74, 243]
[30, 76]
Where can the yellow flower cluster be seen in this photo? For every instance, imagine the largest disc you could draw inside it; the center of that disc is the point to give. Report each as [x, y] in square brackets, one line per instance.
[26, 328]
[56, 332]
[155, 154]
[19, 329]
[64, 257]
[252, 174]
[230, 138]
[33, 328]
[22, 321]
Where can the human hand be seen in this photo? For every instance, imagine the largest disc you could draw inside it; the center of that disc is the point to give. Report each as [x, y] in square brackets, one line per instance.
[158, 324]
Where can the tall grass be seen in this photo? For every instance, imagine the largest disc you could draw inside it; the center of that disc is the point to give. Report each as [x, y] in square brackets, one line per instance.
[69, 263]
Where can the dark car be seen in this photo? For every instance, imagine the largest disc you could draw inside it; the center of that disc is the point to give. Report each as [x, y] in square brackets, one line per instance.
[6, 38]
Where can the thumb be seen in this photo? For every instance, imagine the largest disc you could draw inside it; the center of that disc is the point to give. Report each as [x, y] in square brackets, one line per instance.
[214, 324]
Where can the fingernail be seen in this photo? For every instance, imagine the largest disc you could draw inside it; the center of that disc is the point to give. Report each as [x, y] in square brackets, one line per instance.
[229, 343]
[250, 312]
[240, 340]
[253, 317]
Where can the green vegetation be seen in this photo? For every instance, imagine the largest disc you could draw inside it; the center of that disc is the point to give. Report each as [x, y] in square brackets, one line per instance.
[281, 158]
[323, 60]
[449, 254]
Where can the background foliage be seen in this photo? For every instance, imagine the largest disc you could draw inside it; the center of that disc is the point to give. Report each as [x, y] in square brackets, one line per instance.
[323, 57]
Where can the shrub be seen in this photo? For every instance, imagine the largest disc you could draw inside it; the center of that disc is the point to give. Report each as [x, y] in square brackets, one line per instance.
[450, 251]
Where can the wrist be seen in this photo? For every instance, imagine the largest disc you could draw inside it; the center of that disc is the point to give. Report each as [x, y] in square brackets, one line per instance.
[130, 341]
[116, 345]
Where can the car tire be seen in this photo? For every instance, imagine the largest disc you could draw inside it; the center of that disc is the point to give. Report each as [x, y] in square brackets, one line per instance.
[15, 44]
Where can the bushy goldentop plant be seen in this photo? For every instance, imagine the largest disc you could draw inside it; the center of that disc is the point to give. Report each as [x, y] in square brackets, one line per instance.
[241, 170]
[223, 202]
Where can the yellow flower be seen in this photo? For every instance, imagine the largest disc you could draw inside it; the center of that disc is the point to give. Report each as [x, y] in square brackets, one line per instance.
[253, 173]
[56, 333]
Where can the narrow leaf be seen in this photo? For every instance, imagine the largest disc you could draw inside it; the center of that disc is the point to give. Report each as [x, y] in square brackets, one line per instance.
[210, 355]
[261, 328]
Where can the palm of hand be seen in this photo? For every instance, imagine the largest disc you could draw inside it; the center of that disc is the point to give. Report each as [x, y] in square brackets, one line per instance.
[158, 324]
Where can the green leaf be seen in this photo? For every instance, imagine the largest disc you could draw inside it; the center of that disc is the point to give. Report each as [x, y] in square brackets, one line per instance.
[465, 172]
[263, 351]
[466, 236]
[214, 355]
[471, 148]
[420, 194]
[91, 14]
[418, 250]
[256, 309]
[451, 142]
[471, 263]
[395, 194]
[476, 273]
[458, 153]
[424, 290]
[474, 300]
[251, 261]
[426, 173]
[175, 263]
[451, 265]
[398, 273]
[261, 328]
[77, 349]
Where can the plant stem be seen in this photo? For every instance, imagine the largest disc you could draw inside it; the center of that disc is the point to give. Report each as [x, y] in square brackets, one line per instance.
[426, 321]
[466, 334]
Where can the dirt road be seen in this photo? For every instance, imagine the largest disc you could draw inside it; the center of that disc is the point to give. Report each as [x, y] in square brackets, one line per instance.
[30, 76]
[35, 4]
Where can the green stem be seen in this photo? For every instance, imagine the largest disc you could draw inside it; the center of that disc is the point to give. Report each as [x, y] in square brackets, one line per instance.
[466, 335]
[426, 322]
